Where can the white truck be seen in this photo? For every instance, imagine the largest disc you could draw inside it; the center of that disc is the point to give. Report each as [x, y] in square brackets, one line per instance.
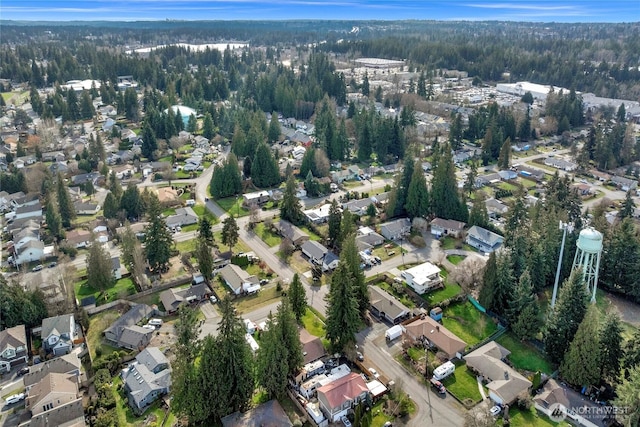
[394, 332]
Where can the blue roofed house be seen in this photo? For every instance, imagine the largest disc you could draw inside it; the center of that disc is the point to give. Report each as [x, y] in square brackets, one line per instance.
[146, 379]
[330, 261]
[13, 347]
[483, 240]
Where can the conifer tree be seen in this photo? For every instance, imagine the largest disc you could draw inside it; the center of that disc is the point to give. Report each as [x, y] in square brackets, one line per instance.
[417, 204]
[271, 369]
[230, 232]
[351, 259]
[208, 130]
[523, 310]
[158, 239]
[629, 398]
[205, 258]
[274, 129]
[65, 205]
[563, 321]
[335, 218]
[611, 346]
[582, 361]
[445, 198]
[290, 207]
[264, 168]
[504, 159]
[53, 220]
[298, 298]
[287, 330]
[342, 309]
[99, 267]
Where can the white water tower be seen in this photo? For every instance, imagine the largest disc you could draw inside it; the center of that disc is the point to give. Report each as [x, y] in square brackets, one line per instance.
[588, 258]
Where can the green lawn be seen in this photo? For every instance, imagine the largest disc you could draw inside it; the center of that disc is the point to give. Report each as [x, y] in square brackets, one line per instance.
[126, 417]
[168, 212]
[384, 253]
[403, 298]
[531, 418]
[463, 384]
[468, 323]
[233, 206]
[269, 237]
[527, 183]
[507, 186]
[252, 302]
[450, 290]
[122, 287]
[456, 259]
[186, 246]
[313, 324]
[239, 247]
[188, 228]
[97, 324]
[202, 211]
[379, 417]
[312, 235]
[524, 356]
[448, 243]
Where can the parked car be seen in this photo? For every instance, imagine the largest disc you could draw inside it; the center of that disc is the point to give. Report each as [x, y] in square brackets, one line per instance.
[15, 398]
[375, 373]
[213, 299]
[37, 268]
[52, 264]
[23, 371]
[345, 421]
[150, 327]
[495, 410]
[359, 356]
[438, 386]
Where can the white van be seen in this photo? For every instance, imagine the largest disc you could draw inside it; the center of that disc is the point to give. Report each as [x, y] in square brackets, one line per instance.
[443, 371]
[191, 202]
[155, 322]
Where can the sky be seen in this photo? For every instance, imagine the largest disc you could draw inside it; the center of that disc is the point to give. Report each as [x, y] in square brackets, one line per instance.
[470, 10]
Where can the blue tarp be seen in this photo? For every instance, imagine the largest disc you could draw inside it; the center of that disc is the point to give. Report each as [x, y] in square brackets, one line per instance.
[476, 304]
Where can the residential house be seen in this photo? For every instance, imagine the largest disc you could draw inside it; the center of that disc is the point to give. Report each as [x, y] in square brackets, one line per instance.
[385, 306]
[174, 297]
[116, 268]
[83, 178]
[268, 414]
[182, 217]
[381, 199]
[491, 178]
[312, 347]
[168, 196]
[495, 207]
[83, 208]
[504, 382]
[28, 234]
[52, 393]
[257, 198]
[338, 397]
[358, 207]
[483, 239]
[507, 175]
[447, 227]
[238, 280]
[59, 167]
[395, 230]
[318, 215]
[136, 314]
[70, 414]
[423, 277]
[123, 171]
[146, 379]
[314, 251]
[624, 184]
[13, 347]
[68, 364]
[29, 252]
[79, 238]
[135, 337]
[552, 396]
[561, 164]
[436, 335]
[29, 211]
[53, 156]
[58, 333]
[330, 261]
[530, 173]
[352, 172]
[369, 236]
[291, 232]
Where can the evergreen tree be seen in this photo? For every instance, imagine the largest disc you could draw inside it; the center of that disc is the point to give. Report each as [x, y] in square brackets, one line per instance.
[565, 317]
[131, 104]
[422, 85]
[274, 129]
[158, 239]
[582, 362]
[632, 351]
[192, 124]
[149, 143]
[472, 175]
[287, 330]
[478, 215]
[73, 110]
[229, 372]
[270, 369]
[36, 102]
[177, 122]
[204, 230]
[111, 206]
[131, 202]
[230, 231]
[205, 258]
[347, 226]
[115, 187]
[290, 207]
[417, 204]
[365, 84]
[621, 263]
[351, 259]
[445, 199]
[311, 185]
[53, 220]
[455, 132]
[99, 267]
[264, 168]
[489, 278]
[628, 206]
[86, 106]
[65, 205]
[610, 341]
[335, 218]
[298, 298]
[308, 162]
[523, 310]
[342, 309]
[226, 179]
[504, 159]
[629, 398]
[208, 130]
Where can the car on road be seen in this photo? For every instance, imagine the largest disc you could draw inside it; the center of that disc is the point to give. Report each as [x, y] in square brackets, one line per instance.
[438, 386]
[37, 268]
[15, 398]
[359, 356]
[52, 264]
[495, 410]
[23, 371]
[375, 373]
[345, 421]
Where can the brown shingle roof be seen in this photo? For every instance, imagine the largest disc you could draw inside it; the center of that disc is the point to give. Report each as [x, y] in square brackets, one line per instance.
[440, 336]
[343, 389]
[312, 348]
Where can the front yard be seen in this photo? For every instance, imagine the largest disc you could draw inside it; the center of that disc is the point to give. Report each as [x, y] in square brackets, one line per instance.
[268, 236]
[233, 206]
[267, 295]
[313, 324]
[530, 418]
[468, 323]
[463, 385]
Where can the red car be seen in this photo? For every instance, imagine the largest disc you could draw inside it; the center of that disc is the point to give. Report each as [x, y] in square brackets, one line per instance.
[438, 386]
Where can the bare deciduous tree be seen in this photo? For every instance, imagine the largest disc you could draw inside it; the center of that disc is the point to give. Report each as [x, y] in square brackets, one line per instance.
[468, 274]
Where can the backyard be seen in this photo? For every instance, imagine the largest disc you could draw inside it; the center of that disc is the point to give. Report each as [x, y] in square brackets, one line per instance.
[121, 288]
[267, 295]
[456, 259]
[154, 415]
[313, 324]
[97, 324]
[463, 385]
[402, 297]
[524, 356]
[468, 323]
[450, 290]
[268, 236]
[530, 418]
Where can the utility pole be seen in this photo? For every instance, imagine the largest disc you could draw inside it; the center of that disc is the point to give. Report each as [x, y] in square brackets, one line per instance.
[564, 227]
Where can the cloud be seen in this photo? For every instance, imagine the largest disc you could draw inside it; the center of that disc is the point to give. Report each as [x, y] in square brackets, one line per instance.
[522, 6]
